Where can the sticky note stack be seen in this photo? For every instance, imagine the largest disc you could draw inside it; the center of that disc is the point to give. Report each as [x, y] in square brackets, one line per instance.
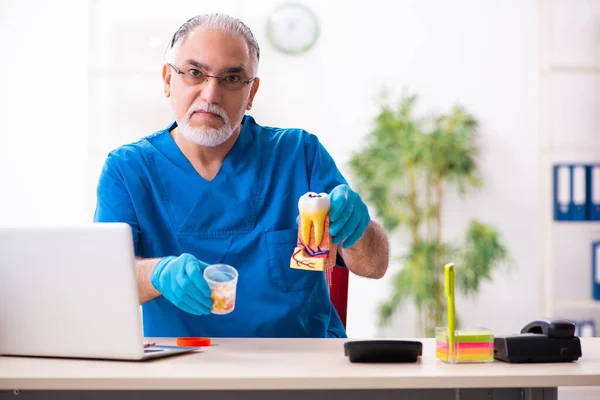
[470, 346]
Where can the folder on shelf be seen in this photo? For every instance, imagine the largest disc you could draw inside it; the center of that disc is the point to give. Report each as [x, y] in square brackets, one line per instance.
[562, 192]
[586, 328]
[578, 205]
[593, 191]
[570, 192]
[596, 270]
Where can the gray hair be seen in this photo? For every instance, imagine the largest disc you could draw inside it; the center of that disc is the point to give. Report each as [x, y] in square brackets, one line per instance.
[222, 22]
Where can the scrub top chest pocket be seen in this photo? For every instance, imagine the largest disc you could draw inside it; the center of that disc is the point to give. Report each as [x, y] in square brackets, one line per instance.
[281, 245]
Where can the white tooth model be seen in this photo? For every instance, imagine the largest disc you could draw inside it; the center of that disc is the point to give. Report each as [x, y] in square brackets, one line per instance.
[315, 250]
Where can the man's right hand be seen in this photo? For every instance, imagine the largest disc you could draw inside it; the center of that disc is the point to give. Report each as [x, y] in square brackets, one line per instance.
[181, 281]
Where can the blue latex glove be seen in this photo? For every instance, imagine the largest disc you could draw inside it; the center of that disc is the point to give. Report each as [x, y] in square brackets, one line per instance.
[181, 281]
[348, 216]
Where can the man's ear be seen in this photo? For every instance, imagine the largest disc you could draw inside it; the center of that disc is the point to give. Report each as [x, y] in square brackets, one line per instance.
[167, 74]
[253, 90]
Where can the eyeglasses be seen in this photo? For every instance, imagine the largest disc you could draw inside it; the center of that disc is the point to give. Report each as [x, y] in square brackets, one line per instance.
[195, 77]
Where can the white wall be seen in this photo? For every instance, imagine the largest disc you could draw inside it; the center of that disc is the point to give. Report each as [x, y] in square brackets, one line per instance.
[43, 111]
[460, 51]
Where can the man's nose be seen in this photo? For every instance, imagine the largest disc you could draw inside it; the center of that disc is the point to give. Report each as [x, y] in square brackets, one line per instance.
[211, 91]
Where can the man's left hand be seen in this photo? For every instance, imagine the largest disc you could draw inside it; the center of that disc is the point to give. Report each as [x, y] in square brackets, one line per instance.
[348, 216]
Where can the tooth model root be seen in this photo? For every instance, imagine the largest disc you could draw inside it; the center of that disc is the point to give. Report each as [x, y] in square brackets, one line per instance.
[317, 220]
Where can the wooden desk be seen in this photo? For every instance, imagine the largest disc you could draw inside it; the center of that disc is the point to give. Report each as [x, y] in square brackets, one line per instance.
[314, 368]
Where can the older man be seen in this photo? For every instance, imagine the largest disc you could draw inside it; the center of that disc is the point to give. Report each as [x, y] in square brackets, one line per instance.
[217, 187]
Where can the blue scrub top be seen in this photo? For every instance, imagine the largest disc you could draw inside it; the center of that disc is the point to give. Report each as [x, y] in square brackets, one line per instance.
[244, 217]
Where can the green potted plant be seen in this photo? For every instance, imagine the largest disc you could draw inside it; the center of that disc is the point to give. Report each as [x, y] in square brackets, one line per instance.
[406, 166]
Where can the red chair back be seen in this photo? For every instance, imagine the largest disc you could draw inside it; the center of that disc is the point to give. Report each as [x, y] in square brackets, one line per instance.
[337, 280]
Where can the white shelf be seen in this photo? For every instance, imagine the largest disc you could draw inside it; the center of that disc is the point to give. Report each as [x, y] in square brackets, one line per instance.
[577, 69]
[585, 225]
[580, 146]
[592, 148]
[579, 304]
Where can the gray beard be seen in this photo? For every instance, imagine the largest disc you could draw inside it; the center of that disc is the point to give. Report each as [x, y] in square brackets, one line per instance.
[209, 137]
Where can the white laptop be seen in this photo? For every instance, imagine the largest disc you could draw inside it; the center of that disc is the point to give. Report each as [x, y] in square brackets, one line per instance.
[72, 292]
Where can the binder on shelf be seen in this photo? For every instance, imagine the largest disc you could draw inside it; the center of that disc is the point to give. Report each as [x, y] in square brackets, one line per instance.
[593, 191]
[586, 328]
[578, 205]
[596, 270]
[562, 192]
[571, 192]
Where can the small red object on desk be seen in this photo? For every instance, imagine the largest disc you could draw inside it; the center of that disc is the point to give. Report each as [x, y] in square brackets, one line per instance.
[193, 341]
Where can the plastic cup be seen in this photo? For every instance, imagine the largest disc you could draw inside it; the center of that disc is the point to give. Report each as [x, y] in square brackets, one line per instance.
[470, 346]
[222, 280]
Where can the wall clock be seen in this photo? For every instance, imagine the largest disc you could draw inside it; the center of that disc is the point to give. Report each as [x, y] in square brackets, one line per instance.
[292, 28]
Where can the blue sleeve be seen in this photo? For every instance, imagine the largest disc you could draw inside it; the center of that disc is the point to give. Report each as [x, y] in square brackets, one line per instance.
[323, 173]
[113, 202]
